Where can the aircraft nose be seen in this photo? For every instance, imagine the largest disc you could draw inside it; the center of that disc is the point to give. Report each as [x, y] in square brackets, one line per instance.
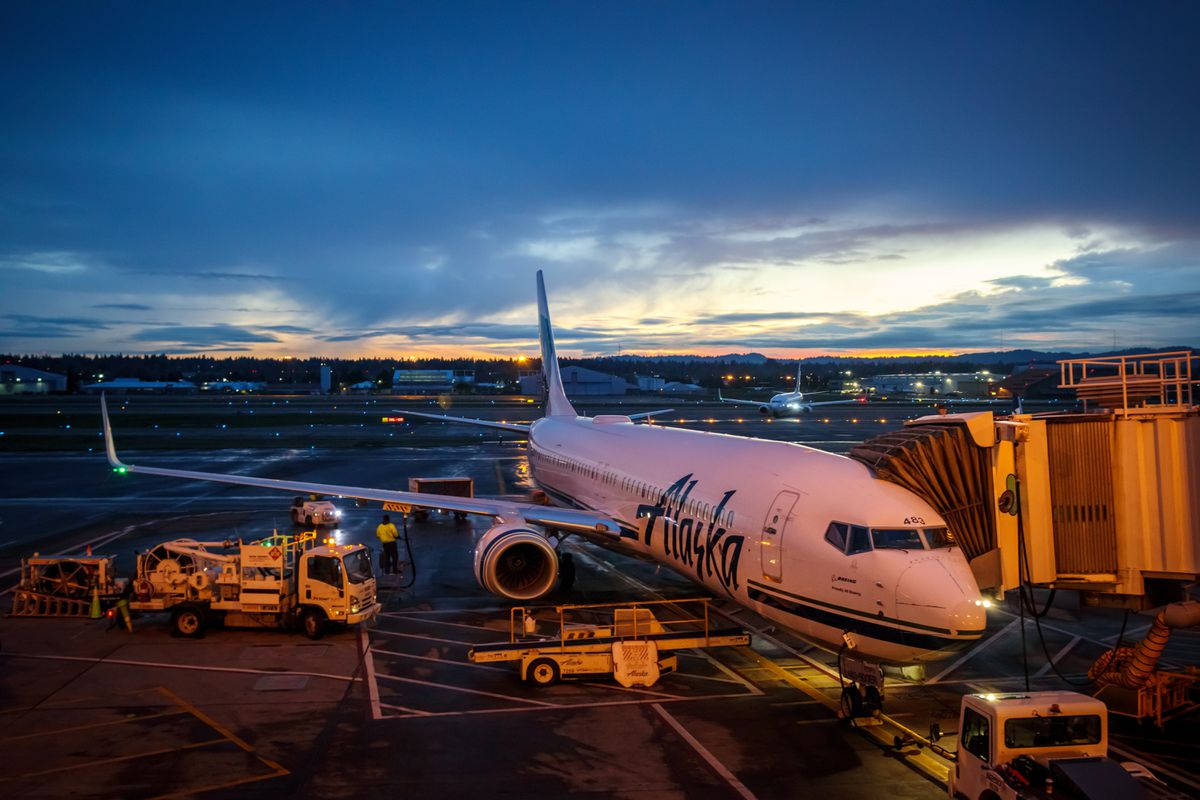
[968, 615]
[927, 590]
[926, 584]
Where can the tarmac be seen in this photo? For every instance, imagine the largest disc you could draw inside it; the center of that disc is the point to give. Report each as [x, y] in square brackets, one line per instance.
[90, 711]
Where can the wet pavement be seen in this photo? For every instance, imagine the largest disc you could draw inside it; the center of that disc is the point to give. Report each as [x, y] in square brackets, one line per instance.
[94, 712]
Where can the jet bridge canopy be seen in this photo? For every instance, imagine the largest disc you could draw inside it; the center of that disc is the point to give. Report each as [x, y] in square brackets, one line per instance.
[945, 465]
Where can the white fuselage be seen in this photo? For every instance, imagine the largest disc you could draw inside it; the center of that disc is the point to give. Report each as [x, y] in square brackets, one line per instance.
[787, 404]
[747, 518]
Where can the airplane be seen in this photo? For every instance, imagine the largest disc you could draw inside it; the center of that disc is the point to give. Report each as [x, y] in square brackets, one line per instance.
[811, 540]
[787, 404]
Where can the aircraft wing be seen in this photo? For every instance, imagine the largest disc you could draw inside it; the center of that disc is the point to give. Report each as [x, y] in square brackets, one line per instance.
[741, 402]
[564, 519]
[485, 423]
[834, 402]
[648, 414]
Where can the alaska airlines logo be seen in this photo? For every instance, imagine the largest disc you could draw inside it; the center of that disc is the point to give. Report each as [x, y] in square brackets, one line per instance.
[698, 543]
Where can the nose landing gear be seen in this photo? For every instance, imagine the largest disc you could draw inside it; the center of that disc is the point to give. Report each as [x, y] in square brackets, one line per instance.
[862, 688]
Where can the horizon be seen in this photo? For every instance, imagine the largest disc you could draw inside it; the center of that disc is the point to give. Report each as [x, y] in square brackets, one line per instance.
[798, 181]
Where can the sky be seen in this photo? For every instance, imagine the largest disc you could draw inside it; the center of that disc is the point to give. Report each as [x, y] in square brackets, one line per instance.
[341, 179]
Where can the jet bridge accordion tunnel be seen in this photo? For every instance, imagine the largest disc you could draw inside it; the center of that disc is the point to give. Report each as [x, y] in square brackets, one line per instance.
[1109, 503]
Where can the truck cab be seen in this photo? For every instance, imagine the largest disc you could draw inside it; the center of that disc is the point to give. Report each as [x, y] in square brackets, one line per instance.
[314, 510]
[1038, 745]
[336, 584]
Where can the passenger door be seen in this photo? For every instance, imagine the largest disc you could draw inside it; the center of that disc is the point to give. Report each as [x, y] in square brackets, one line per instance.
[974, 753]
[325, 583]
[770, 544]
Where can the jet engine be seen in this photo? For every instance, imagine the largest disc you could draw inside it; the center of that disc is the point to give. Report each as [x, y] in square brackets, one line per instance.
[516, 562]
[764, 410]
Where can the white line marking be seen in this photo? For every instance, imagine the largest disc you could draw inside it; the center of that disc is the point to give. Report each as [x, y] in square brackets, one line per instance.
[440, 660]
[364, 644]
[974, 651]
[753, 689]
[426, 638]
[166, 665]
[493, 631]
[447, 686]
[633, 689]
[405, 709]
[570, 706]
[704, 753]
[1054, 661]
[1143, 758]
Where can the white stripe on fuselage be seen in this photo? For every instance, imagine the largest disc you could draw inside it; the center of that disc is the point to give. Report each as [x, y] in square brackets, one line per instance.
[698, 502]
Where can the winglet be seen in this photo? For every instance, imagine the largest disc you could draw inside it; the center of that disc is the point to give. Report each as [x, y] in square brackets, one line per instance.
[109, 446]
[557, 404]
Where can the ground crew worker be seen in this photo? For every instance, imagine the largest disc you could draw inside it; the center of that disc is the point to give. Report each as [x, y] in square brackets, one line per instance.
[387, 534]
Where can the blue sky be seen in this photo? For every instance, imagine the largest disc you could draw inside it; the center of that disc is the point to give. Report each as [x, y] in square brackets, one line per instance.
[793, 178]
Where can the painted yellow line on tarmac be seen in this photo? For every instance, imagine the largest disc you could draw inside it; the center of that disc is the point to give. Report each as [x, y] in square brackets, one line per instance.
[114, 760]
[94, 725]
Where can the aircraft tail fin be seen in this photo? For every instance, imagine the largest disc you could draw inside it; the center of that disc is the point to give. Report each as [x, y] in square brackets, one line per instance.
[557, 404]
[799, 375]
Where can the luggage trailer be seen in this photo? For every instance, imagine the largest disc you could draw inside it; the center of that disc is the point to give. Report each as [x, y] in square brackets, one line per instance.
[627, 646]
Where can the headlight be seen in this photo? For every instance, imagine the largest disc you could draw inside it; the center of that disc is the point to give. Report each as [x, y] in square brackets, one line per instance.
[354, 607]
[337, 512]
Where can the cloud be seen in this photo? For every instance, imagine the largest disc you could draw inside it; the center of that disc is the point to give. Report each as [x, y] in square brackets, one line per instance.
[283, 328]
[124, 306]
[202, 335]
[51, 263]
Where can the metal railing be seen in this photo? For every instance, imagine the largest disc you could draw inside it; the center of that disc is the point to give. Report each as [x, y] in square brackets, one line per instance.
[1140, 381]
[635, 627]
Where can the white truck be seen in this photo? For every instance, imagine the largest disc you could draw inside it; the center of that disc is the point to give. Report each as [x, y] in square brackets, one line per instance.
[1042, 745]
[315, 510]
[281, 581]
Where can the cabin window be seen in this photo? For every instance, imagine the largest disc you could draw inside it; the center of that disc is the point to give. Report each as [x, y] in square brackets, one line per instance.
[326, 570]
[897, 539]
[976, 736]
[1054, 731]
[859, 540]
[835, 534]
[939, 537]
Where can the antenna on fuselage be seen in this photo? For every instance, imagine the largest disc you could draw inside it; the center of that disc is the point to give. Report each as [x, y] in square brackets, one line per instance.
[557, 404]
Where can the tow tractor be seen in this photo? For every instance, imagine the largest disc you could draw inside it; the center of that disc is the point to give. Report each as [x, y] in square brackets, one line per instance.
[314, 510]
[627, 648]
[281, 581]
[1042, 745]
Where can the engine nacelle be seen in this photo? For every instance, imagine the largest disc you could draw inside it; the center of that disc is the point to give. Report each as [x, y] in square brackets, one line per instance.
[516, 562]
[764, 410]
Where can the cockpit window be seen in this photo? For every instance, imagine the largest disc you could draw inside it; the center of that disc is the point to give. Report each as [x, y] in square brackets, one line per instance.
[835, 534]
[859, 541]
[939, 537]
[897, 539]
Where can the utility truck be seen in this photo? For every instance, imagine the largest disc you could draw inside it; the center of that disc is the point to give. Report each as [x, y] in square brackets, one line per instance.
[1042, 745]
[281, 581]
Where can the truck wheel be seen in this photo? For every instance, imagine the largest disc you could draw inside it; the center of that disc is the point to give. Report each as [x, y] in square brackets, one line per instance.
[308, 520]
[295, 517]
[543, 672]
[852, 703]
[187, 622]
[312, 622]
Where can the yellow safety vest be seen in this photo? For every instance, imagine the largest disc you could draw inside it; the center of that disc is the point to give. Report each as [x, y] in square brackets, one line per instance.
[386, 532]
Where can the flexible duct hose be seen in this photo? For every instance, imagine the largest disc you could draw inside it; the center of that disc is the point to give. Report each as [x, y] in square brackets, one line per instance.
[1131, 667]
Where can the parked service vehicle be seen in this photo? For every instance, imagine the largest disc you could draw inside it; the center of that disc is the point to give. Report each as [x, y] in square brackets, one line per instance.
[1042, 745]
[314, 510]
[282, 581]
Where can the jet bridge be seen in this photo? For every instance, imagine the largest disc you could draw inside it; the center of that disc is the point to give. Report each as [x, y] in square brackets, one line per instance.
[1107, 502]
